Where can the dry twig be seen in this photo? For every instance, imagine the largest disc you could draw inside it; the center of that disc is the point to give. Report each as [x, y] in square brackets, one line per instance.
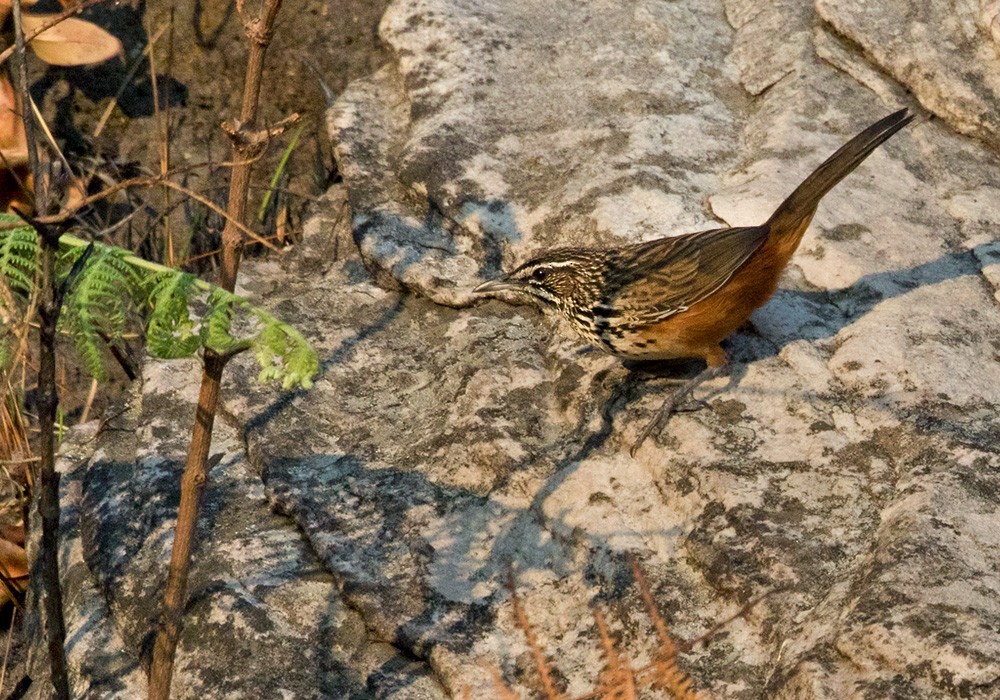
[521, 620]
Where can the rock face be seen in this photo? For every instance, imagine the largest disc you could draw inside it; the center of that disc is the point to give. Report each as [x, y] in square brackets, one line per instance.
[850, 462]
[506, 127]
[947, 54]
[264, 618]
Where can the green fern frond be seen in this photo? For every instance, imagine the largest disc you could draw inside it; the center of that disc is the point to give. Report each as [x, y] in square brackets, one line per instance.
[217, 323]
[114, 284]
[170, 332]
[19, 258]
[97, 309]
[283, 354]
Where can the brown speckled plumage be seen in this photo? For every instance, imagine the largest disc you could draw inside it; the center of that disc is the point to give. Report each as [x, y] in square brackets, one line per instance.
[681, 296]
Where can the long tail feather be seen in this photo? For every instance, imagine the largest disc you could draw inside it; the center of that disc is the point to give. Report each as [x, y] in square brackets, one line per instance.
[802, 203]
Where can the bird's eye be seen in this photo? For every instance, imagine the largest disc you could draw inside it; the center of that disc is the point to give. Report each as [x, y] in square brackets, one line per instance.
[539, 274]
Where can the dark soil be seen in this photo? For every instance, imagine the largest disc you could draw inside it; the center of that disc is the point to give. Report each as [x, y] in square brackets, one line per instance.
[199, 61]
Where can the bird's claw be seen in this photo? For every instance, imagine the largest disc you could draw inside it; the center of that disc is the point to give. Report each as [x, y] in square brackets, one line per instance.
[659, 421]
[655, 425]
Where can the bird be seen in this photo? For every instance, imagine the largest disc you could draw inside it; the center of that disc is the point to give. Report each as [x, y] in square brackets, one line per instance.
[680, 296]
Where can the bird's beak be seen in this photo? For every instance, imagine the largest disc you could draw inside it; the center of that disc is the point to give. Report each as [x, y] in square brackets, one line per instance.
[497, 285]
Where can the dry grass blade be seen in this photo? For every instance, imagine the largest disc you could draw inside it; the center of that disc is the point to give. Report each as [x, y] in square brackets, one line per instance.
[148, 182]
[126, 80]
[91, 395]
[49, 138]
[618, 679]
[14, 445]
[663, 673]
[521, 620]
[503, 692]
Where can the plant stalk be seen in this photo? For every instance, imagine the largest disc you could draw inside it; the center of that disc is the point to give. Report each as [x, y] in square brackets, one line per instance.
[259, 37]
[258, 31]
[47, 482]
[192, 487]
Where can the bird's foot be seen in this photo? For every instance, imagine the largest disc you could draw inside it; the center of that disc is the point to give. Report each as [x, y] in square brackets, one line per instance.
[692, 406]
[655, 425]
[674, 404]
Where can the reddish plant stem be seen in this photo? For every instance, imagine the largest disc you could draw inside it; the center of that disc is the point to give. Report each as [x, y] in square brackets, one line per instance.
[192, 487]
[244, 149]
[246, 145]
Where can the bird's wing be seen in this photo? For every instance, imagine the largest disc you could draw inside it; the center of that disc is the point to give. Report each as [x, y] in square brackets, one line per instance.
[651, 281]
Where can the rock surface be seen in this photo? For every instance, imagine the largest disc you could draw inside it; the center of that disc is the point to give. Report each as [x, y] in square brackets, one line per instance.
[264, 618]
[506, 127]
[946, 53]
[850, 462]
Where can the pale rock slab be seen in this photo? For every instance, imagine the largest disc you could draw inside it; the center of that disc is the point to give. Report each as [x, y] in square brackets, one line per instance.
[849, 463]
[477, 147]
[945, 52]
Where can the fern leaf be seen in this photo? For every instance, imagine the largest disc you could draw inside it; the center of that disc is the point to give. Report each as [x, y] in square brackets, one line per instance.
[19, 259]
[170, 332]
[283, 354]
[217, 323]
[97, 308]
[114, 284]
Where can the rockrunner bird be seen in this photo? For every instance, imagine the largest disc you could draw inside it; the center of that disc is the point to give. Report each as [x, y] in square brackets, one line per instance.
[678, 297]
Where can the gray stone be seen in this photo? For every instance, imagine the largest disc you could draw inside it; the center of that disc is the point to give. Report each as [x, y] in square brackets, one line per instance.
[264, 617]
[507, 127]
[863, 406]
[945, 52]
[850, 462]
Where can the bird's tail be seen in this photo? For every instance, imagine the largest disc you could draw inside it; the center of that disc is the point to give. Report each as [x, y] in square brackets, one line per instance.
[802, 203]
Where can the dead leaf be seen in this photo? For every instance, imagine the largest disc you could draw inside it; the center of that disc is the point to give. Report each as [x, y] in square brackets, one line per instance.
[13, 143]
[13, 560]
[13, 533]
[14, 174]
[5, 7]
[72, 42]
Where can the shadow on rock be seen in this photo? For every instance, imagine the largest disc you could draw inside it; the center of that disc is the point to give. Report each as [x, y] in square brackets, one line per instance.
[818, 315]
[341, 354]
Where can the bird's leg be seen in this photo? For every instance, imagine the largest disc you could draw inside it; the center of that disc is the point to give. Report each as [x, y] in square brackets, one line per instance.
[674, 401]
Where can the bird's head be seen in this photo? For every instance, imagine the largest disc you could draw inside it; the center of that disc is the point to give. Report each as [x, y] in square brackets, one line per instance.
[564, 278]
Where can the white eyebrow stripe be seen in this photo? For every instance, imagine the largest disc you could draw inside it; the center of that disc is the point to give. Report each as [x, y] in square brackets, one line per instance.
[555, 264]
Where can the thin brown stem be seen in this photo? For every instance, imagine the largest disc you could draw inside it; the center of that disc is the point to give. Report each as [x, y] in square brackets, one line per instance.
[192, 486]
[47, 397]
[246, 149]
[25, 97]
[259, 35]
[147, 182]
